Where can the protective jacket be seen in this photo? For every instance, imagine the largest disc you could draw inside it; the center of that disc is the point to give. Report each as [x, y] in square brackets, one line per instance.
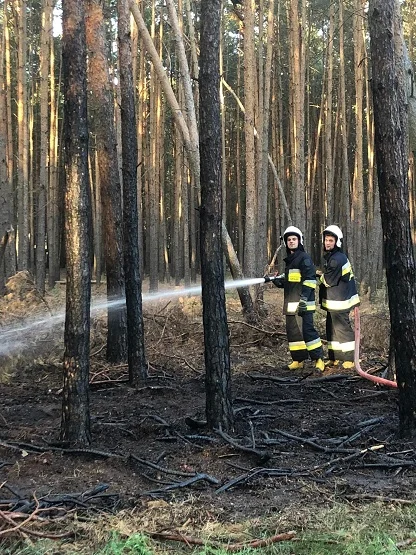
[300, 281]
[338, 290]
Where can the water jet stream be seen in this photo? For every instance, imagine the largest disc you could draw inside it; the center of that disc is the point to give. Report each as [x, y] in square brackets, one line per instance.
[16, 339]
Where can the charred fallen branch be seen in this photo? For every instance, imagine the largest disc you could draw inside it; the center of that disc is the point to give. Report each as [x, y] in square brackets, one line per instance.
[21, 516]
[263, 456]
[191, 477]
[184, 484]
[302, 381]
[31, 448]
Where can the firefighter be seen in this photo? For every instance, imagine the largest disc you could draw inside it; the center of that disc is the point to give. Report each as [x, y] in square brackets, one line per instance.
[299, 283]
[338, 295]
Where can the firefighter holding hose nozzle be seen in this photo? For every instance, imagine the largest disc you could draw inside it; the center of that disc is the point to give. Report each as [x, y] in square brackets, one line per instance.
[299, 283]
[338, 295]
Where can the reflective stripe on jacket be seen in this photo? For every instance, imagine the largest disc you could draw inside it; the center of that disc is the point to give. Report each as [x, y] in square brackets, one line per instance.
[338, 290]
[300, 281]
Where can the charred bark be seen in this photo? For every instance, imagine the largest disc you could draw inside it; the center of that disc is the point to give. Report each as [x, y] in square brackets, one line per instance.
[135, 329]
[391, 142]
[109, 180]
[75, 425]
[217, 356]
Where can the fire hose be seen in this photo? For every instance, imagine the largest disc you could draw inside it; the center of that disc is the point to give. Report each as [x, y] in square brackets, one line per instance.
[357, 333]
[375, 379]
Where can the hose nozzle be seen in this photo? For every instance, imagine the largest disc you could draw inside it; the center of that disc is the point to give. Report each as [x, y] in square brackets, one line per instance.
[278, 281]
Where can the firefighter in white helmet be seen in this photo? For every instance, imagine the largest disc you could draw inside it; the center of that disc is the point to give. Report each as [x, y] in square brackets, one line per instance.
[299, 283]
[338, 295]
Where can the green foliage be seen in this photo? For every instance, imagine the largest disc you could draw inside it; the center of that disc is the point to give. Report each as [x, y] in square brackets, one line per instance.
[374, 529]
[134, 545]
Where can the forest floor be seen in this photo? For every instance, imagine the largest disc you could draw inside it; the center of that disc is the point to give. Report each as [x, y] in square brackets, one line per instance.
[300, 438]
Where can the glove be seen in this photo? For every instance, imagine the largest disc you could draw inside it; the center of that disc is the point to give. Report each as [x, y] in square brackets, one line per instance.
[302, 307]
[278, 281]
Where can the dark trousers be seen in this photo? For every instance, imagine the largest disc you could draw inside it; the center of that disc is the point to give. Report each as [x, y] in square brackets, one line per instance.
[304, 340]
[340, 336]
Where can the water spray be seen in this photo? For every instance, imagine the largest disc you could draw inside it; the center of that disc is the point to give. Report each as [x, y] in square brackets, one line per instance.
[16, 339]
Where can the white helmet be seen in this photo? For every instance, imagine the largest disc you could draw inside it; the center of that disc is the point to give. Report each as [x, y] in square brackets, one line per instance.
[292, 230]
[335, 231]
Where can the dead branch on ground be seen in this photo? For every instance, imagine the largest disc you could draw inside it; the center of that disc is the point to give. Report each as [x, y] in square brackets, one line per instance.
[231, 547]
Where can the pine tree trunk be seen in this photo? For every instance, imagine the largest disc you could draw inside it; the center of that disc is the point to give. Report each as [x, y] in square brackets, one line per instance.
[135, 329]
[153, 223]
[75, 425]
[344, 209]
[297, 92]
[328, 156]
[108, 187]
[52, 194]
[391, 141]
[6, 204]
[22, 152]
[250, 233]
[44, 141]
[357, 212]
[217, 357]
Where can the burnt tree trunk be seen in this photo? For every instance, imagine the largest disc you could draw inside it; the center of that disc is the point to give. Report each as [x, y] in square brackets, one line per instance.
[390, 117]
[217, 356]
[75, 425]
[135, 330]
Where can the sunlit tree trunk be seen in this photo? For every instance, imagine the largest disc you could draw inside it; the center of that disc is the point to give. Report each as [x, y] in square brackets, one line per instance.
[4, 185]
[266, 127]
[33, 170]
[97, 218]
[160, 120]
[297, 23]
[239, 178]
[177, 255]
[6, 196]
[372, 229]
[23, 139]
[261, 177]
[52, 193]
[185, 210]
[195, 188]
[357, 210]
[344, 208]
[328, 156]
[250, 89]
[43, 185]
[108, 186]
[153, 223]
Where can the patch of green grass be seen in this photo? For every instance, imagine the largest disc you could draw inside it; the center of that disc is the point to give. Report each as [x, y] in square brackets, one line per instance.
[41, 547]
[373, 529]
[134, 545]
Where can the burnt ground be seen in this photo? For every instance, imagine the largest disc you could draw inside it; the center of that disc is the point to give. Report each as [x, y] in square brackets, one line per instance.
[299, 438]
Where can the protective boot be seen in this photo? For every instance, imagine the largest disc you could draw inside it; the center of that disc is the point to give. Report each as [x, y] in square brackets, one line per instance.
[295, 365]
[348, 364]
[332, 363]
[320, 365]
